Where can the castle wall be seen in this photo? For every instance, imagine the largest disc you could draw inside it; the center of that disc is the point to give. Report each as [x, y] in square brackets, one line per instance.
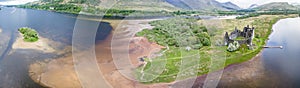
[247, 33]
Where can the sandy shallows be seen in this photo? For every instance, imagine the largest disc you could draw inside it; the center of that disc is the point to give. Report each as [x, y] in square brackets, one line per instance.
[60, 72]
[42, 44]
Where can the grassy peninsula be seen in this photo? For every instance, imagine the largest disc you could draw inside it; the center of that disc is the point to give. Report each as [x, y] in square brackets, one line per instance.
[193, 45]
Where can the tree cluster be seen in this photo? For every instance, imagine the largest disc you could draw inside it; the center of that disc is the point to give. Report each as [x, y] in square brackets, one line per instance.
[179, 32]
[30, 35]
[233, 46]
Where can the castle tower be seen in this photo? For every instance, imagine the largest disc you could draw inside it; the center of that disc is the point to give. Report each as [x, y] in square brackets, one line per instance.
[253, 35]
[226, 38]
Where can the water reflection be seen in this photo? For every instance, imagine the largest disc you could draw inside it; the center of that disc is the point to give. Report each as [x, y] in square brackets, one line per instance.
[284, 62]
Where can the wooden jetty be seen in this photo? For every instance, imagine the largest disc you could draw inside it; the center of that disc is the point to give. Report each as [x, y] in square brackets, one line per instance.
[281, 47]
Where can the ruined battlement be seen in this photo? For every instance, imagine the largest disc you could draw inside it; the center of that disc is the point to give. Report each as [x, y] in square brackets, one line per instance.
[242, 37]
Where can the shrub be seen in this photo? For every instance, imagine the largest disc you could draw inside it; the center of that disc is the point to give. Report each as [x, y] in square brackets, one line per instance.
[233, 46]
[257, 35]
[204, 38]
[206, 42]
[30, 35]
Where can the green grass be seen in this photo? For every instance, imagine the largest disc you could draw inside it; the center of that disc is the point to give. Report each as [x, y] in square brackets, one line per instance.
[178, 61]
[178, 32]
[240, 38]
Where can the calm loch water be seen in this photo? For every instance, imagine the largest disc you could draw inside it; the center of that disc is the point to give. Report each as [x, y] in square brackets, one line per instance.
[285, 63]
[54, 26]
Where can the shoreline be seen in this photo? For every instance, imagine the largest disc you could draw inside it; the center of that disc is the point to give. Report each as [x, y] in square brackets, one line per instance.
[240, 71]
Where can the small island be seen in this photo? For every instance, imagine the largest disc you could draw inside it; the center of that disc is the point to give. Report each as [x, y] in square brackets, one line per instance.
[29, 34]
[29, 39]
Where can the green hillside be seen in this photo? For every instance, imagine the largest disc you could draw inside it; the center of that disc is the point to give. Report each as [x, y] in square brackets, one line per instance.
[204, 5]
[145, 5]
[91, 6]
[275, 6]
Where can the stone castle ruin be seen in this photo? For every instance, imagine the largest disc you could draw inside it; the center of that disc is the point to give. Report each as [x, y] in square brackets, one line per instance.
[242, 37]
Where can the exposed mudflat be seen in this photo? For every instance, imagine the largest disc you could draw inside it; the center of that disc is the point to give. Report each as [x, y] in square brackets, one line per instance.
[57, 73]
[60, 72]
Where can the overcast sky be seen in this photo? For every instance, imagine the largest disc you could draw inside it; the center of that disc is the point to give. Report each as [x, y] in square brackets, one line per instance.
[247, 3]
[14, 2]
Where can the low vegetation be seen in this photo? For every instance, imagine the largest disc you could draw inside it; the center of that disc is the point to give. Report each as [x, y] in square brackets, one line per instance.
[272, 12]
[233, 46]
[30, 35]
[184, 38]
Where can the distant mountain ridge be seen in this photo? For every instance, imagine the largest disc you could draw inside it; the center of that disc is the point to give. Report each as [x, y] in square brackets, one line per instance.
[230, 6]
[207, 5]
[276, 6]
[157, 5]
[253, 6]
